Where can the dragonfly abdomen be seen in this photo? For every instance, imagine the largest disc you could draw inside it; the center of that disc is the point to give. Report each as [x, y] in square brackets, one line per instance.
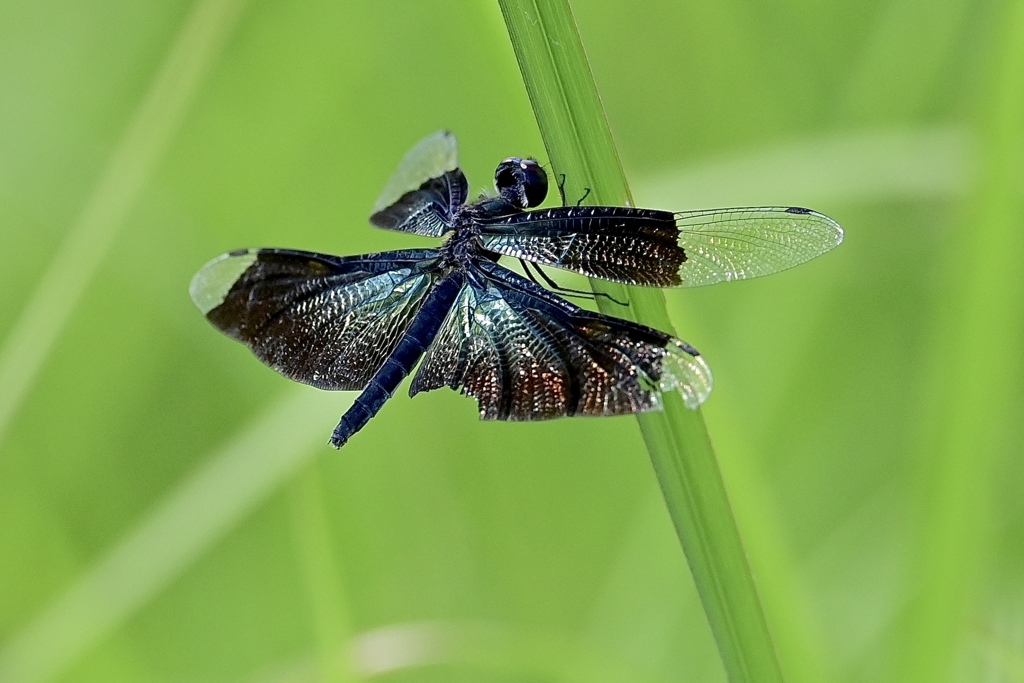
[400, 363]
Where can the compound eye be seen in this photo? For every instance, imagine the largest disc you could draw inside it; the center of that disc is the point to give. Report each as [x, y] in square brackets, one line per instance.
[521, 182]
[508, 177]
[535, 182]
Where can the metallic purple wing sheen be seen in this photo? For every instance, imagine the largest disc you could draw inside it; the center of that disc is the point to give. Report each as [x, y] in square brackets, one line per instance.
[634, 246]
[525, 354]
[321, 320]
[662, 249]
[427, 210]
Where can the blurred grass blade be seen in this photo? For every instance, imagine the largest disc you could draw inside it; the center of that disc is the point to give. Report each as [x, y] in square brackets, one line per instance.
[864, 166]
[165, 543]
[969, 421]
[495, 650]
[325, 580]
[579, 144]
[157, 119]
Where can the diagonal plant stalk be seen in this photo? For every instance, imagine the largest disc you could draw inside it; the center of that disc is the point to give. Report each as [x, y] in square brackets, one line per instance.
[46, 312]
[579, 144]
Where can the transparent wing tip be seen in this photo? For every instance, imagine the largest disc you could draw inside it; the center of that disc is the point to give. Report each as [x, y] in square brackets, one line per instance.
[815, 231]
[684, 370]
[722, 245]
[212, 283]
[441, 145]
[831, 232]
[432, 156]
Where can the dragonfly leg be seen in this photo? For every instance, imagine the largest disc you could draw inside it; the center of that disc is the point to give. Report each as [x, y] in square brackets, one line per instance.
[561, 191]
[565, 291]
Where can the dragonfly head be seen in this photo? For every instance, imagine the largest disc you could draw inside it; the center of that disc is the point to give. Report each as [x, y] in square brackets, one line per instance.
[521, 182]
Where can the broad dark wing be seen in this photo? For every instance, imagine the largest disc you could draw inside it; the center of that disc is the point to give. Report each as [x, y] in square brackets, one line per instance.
[425, 191]
[525, 354]
[663, 249]
[321, 320]
[635, 246]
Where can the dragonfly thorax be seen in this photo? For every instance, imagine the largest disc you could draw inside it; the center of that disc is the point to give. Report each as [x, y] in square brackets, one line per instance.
[463, 245]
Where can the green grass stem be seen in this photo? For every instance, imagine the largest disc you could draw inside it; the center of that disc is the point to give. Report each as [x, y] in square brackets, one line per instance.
[579, 144]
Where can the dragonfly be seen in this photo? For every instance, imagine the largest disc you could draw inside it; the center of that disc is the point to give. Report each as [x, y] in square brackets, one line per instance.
[462, 320]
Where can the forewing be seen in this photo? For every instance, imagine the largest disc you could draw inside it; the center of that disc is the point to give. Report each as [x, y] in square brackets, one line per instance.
[623, 244]
[662, 249]
[525, 354]
[738, 244]
[321, 320]
[425, 191]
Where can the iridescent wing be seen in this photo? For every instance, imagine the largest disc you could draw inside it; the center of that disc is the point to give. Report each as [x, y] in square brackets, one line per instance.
[322, 320]
[663, 249]
[425, 191]
[525, 354]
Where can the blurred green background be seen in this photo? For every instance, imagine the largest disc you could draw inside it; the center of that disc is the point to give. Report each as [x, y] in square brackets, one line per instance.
[169, 508]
